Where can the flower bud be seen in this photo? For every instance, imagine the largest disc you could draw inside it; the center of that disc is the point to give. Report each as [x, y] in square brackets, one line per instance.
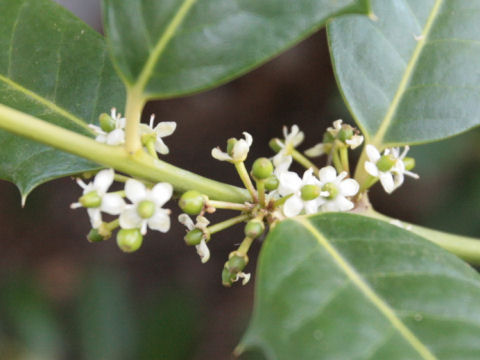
[235, 265]
[254, 228]
[90, 200]
[129, 240]
[328, 137]
[272, 183]
[192, 202]
[386, 162]
[230, 145]
[146, 209]
[345, 133]
[409, 163]
[107, 124]
[262, 168]
[94, 236]
[310, 192]
[193, 237]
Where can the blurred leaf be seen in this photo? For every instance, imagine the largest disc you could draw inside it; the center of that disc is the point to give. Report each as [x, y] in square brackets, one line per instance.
[169, 326]
[411, 76]
[55, 67]
[343, 286]
[105, 318]
[176, 47]
[28, 314]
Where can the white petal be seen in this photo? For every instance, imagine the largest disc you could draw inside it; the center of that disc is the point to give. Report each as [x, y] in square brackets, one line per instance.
[102, 138]
[397, 179]
[327, 174]
[116, 137]
[95, 217]
[203, 251]
[120, 122]
[311, 207]
[202, 222]
[165, 128]
[240, 150]
[386, 179]
[355, 141]
[160, 147]
[187, 221]
[112, 204]
[337, 124]
[308, 177]
[248, 138]
[129, 218]
[372, 153]
[161, 193]
[290, 183]
[293, 206]
[160, 221]
[297, 139]
[342, 204]
[315, 151]
[349, 187]
[143, 227]
[135, 190]
[103, 180]
[220, 155]
[371, 168]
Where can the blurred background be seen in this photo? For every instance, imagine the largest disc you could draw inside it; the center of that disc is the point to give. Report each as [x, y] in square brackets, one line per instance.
[62, 297]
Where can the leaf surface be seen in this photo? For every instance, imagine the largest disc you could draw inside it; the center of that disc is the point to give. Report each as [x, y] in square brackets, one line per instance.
[411, 76]
[174, 47]
[344, 286]
[52, 66]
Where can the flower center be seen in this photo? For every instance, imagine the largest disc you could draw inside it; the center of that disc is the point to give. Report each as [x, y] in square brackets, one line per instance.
[386, 162]
[146, 209]
[332, 189]
[310, 192]
[91, 200]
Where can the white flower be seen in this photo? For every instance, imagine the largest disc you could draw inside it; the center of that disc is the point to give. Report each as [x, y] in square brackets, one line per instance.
[146, 208]
[202, 223]
[355, 141]
[335, 190]
[318, 150]
[96, 199]
[244, 276]
[114, 137]
[291, 185]
[163, 129]
[389, 167]
[292, 140]
[239, 151]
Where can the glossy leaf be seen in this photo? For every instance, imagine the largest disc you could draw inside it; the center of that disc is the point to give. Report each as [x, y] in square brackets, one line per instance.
[175, 47]
[55, 67]
[411, 76]
[344, 286]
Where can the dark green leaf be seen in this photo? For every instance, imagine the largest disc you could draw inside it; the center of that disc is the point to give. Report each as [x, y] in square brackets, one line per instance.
[55, 67]
[411, 76]
[343, 286]
[174, 47]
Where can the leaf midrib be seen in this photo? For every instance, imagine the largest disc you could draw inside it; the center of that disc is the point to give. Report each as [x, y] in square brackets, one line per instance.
[402, 87]
[162, 43]
[360, 283]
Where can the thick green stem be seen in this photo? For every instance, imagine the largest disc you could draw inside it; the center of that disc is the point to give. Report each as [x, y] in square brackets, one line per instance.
[245, 245]
[227, 223]
[133, 114]
[140, 165]
[344, 159]
[228, 205]
[464, 247]
[243, 173]
[261, 192]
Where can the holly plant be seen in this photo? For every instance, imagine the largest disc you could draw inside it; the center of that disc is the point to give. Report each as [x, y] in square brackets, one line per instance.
[335, 279]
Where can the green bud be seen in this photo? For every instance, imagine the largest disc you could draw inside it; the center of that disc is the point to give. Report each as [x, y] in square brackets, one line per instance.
[332, 190]
[386, 162]
[129, 240]
[90, 200]
[345, 133]
[262, 168]
[275, 145]
[146, 209]
[94, 236]
[193, 237]
[409, 163]
[192, 202]
[271, 183]
[328, 137]
[310, 192]
[107, 124]
[254, 228]
[230, 144]
[227, 277]
[235, 264]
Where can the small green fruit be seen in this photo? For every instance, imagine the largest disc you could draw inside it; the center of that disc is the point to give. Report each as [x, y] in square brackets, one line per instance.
[409, 163]
[193, 237]
[345, 133]
[386, 162]
[254, 228]
[90, 200]
[129, 240]
[332, 190]
[271, 183]
[230, 145]
[146, 209]
[310, 192]
[93, 236]
[192, 202]
[107, 124]
[275, 145]
[262, 168]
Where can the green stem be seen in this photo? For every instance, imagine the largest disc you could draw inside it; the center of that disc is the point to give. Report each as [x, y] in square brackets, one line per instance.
[336, 161]
[247, 182]
[228, 205]
[140, 165]
[150, 146]
[261, 192]
[302, 160]
[133, 114]
[464, 247]
[245, 245]
[344, 159]
[227, 223]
